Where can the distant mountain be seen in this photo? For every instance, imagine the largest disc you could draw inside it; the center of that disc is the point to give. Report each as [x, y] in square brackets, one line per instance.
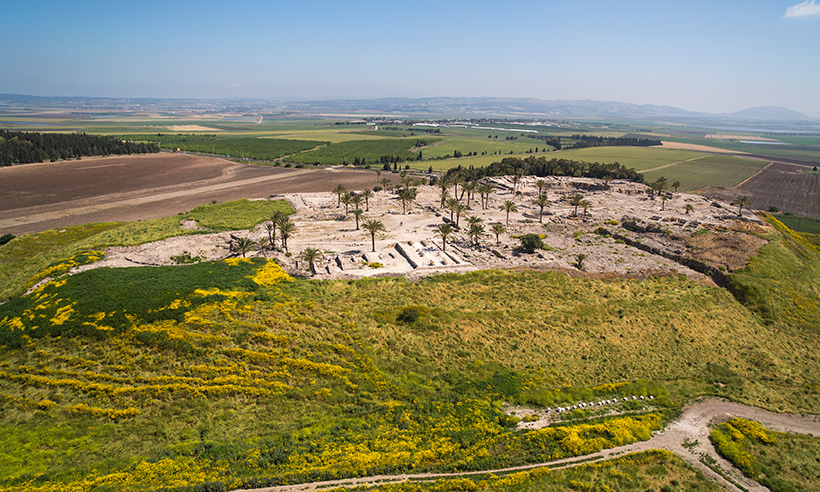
[770, 113]
[427, 107]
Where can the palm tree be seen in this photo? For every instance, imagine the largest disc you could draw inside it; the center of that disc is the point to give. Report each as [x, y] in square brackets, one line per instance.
[444, 230]
[663, 201]
[310, 255]
[516, 179]
[243, 245]
[406, 196]
[455, 181]
[356, 200]
[445, 195]
[476, 231]
[741, 201]
[275, 219]
[346, 199]
[474, 220]
[586, 205]
[661, 182]
[357, 213]
[386, 184]
[509, 206]
[378, 175]
[286, 229]
[373, 226]
[367, 194]
[540, 184]
[451, 206]
[459, 209]
[485, 191]
[676, 185]
[271, 228]
[469, 187]
[339, 190]
[576, 200]
[688, 208]
[497, 228]
[542, 202]
[263, 243]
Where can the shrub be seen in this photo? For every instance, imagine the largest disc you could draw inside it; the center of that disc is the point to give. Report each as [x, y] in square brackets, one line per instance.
[409, 315]
[6, 238]
[531, 242]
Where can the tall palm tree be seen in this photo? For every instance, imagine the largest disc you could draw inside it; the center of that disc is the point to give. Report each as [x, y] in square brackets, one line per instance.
[444, 184]
[498, 229]
[540, 184]
[310, 255]
[474, 220]
[373, 226]
[509, 206]
[275, 220]
[661, 182]
[542, 202]
[485, 190]
[346, 198]
[367, 194]
[475, 232]
[663, 201]
[516, 179]
[356, 200]
[386, 184]
[406, 197]
[286, 229]
[459, 209]
[586, 205]
[444, 230]
[451, 206]
[378, 175]
[469, 187]
[576, 200]
[445, 195]
[455, 181]
[676, 185]
[271, 228]
[741, 201]
[243, 245]
[358, 213]
[339, 190]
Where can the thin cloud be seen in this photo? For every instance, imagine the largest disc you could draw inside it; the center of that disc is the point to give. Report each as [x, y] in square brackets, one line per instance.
[805, 9]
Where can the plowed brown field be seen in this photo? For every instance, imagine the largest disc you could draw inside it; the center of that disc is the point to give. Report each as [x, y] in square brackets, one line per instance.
[788, 187]
[36, 197]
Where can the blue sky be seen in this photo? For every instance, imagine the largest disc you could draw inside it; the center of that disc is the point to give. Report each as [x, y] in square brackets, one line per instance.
[714, 56]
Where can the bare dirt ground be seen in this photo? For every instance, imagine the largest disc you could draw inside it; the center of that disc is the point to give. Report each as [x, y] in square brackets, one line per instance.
[411, 247]
[687, 436]
[37, 197]
[697, 148]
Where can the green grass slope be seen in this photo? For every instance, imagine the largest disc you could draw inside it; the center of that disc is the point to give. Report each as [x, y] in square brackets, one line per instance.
[231, 374]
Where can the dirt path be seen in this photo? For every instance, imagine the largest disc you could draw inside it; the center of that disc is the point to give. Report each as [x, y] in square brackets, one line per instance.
[691, 428]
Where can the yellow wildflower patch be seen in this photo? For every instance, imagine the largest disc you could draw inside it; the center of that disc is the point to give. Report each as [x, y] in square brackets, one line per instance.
[63, 314]
[271, 274]
[237, 261]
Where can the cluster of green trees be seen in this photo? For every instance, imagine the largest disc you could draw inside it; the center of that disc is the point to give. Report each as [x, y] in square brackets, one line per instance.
[540, 166]
[242, 147]
[583, 141]
[28, 147]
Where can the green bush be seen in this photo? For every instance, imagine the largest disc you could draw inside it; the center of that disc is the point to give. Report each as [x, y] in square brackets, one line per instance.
[531, 242]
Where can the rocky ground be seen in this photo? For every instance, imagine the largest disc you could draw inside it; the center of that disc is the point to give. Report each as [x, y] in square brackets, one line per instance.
[625, 232]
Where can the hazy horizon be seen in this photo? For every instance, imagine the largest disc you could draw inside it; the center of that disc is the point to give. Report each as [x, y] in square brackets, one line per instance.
[698, 56]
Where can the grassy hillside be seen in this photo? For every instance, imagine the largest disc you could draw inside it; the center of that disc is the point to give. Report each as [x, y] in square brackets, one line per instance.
[233, 374]
[28, 259]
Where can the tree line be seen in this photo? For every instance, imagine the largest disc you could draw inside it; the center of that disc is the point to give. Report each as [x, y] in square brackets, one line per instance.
[584, 141]
[540, 166]
[28, 147]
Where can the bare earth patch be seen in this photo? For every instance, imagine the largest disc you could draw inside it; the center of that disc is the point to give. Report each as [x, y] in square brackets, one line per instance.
[192, 128]
[697, 148]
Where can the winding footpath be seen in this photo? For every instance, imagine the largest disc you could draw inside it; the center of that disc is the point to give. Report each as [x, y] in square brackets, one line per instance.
[692, 428]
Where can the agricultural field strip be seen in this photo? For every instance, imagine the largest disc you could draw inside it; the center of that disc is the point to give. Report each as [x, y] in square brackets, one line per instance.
[108, 201]
[755, 174]
[693, 424]
[675, 163]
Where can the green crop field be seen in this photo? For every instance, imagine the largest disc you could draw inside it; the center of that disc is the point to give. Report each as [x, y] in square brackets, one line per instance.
[709, 171]
[800, 224]
[479, 146]
[248, 147]
[369, 150]
[638, 158]
[330, 135]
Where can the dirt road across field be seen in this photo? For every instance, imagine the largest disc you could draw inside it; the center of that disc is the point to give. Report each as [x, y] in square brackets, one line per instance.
[688, 436]
[37, 197]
